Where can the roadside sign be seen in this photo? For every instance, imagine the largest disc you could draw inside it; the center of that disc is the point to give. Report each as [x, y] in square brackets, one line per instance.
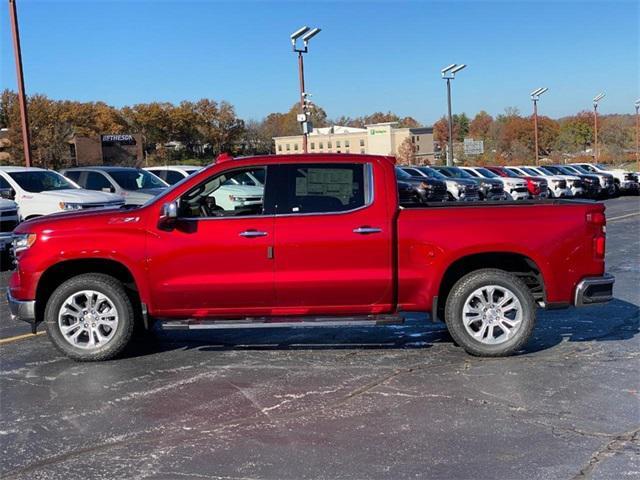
[473, 147]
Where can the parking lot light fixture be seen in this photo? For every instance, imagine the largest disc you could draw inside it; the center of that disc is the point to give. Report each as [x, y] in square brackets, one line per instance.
[535, 96]
[307, 34]
[448, 74]
[596, 99]
[637, 135]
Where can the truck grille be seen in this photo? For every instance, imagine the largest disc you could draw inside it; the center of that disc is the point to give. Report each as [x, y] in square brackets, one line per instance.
[497, 189]
[608, 181]
[521, 189]
[8, 220]
[578, 184]
[561, 184]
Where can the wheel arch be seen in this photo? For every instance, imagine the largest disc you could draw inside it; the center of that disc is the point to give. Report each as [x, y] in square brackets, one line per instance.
[60, 272]
[521, 265]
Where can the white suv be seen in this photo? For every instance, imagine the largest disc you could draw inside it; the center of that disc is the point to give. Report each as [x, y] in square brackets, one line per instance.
[41, 192]
[624, 181]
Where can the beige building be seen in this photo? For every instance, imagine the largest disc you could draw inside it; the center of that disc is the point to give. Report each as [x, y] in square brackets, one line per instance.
[376, 139]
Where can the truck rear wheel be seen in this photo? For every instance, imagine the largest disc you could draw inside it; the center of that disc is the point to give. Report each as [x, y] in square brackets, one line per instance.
[490, 313]
[90, 317]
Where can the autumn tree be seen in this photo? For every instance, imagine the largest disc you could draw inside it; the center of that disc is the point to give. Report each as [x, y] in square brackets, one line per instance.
[406, 152]
[480, 125]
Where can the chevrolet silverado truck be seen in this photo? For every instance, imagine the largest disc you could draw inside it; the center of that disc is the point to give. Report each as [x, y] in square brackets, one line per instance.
[330, 244]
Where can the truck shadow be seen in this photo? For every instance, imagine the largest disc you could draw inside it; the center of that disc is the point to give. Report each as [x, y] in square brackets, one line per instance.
[617, 320]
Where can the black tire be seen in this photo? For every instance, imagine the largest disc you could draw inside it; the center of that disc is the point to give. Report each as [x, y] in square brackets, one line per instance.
[115, 292]
[464, 288]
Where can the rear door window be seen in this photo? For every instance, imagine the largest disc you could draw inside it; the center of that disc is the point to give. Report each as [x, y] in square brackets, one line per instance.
[322, 188]
[97, 181]
[170, 176]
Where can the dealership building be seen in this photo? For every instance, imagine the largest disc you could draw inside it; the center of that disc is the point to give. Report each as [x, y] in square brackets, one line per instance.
[376, 139]
[122, 149]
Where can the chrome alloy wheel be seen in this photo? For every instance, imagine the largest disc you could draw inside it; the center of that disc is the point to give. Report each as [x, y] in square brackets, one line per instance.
[88, 319]
[492, 314]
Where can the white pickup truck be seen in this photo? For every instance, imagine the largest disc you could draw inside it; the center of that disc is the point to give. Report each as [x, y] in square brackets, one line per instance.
[624, 180]
[40, 192]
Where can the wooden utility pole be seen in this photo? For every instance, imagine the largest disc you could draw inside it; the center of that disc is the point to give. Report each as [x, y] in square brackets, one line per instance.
[22, 100]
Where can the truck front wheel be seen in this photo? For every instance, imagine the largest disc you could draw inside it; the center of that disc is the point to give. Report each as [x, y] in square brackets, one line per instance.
[90, 317]
[490, 313]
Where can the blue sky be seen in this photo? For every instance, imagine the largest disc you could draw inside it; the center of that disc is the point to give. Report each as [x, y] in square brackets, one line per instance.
[370, 56]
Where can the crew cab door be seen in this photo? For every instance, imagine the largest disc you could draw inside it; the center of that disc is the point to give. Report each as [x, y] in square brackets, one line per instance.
[333, 250]
[217, 258]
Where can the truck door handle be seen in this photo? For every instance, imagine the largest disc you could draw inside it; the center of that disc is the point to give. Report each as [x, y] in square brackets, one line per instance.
[366, 230]
[253, 233]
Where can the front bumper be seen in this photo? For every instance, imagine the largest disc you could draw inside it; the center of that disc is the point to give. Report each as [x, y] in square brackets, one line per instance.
[629, 186]
[592, 290]
[21, 309]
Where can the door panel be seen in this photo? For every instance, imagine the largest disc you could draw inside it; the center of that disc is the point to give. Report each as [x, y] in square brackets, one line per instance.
[204, 267]
[331, 263]
[216, 261]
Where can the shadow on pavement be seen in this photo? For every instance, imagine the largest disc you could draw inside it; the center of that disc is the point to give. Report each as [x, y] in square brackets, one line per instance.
[617, 320]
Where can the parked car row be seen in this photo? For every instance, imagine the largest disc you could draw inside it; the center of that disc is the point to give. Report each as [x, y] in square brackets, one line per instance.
[516, 182]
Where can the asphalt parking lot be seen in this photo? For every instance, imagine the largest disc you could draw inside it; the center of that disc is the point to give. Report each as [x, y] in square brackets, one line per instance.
[329, 403]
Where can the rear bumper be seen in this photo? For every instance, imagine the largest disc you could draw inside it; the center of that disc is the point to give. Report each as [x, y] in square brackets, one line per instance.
[592, 290]
[22, 310]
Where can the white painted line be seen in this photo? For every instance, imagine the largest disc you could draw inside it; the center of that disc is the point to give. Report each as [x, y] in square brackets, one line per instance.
[622, 216]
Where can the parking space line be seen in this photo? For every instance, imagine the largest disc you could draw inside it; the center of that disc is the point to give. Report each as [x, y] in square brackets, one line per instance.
[20, 337]
[620, 217]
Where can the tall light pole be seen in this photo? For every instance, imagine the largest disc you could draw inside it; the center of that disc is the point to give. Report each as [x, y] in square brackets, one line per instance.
[637, 136]
[307, 34]
[596, 99]
[535, 96]
[22, 100]
[448, 74]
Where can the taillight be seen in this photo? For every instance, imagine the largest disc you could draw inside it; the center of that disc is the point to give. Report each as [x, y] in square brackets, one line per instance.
[599, 241]
[599, 246]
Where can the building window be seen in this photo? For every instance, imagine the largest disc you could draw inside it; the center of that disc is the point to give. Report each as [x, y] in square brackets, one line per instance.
[288, 147]
[328, 144]
[321, 146]
[338, 144]
[362, 150]
[279, 148]
[417, 138]
[346, 143]
[413, 139]
[362, 143]
[417, 148]
[295, 147]
[313, 145]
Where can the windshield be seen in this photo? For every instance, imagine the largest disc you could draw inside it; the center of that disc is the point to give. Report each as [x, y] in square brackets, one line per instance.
[545, 170]
[580, 169]
[486, 173]
[454, 172]
[531, 172]
[402, 174]
[431, 173]
[136, 179]
[603, 167]
[513, 173]
[37, 181]
[565, 170]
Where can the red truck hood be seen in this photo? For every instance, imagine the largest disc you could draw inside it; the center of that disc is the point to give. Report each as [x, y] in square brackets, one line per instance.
[74, 219]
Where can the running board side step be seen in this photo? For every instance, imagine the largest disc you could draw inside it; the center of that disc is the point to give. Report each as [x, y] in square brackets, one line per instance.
[263, 322]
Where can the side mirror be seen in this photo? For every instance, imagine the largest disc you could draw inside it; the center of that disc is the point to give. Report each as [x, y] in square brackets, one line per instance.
[7, 193]
[168, 214]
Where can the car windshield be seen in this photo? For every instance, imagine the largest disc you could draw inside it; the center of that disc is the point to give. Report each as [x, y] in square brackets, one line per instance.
[564, 170]
[603, 167]
[545, 170]
[136, 179]
[37, 181]
[510, 173]
[580, 168]
[531, 172]
[402, 174]
[486, 173]
[431, 173]
[191, 171]
[473, 173]
[454, 172]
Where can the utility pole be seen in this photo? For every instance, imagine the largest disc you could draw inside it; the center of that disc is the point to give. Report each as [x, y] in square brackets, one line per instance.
[22, 100]
[595, 124]
[637, 136]
[448, 74]
[306, 33]
[535, 96]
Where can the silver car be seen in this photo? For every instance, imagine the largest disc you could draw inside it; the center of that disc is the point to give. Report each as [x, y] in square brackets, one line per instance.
[136, 185]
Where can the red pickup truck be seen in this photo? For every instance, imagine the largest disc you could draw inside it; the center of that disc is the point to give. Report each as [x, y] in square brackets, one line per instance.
[305, 239]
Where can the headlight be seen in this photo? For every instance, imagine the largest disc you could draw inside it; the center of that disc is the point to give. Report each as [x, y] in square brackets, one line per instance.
[70, 206]
[23, 241]
[460, 188]
[426, 186]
